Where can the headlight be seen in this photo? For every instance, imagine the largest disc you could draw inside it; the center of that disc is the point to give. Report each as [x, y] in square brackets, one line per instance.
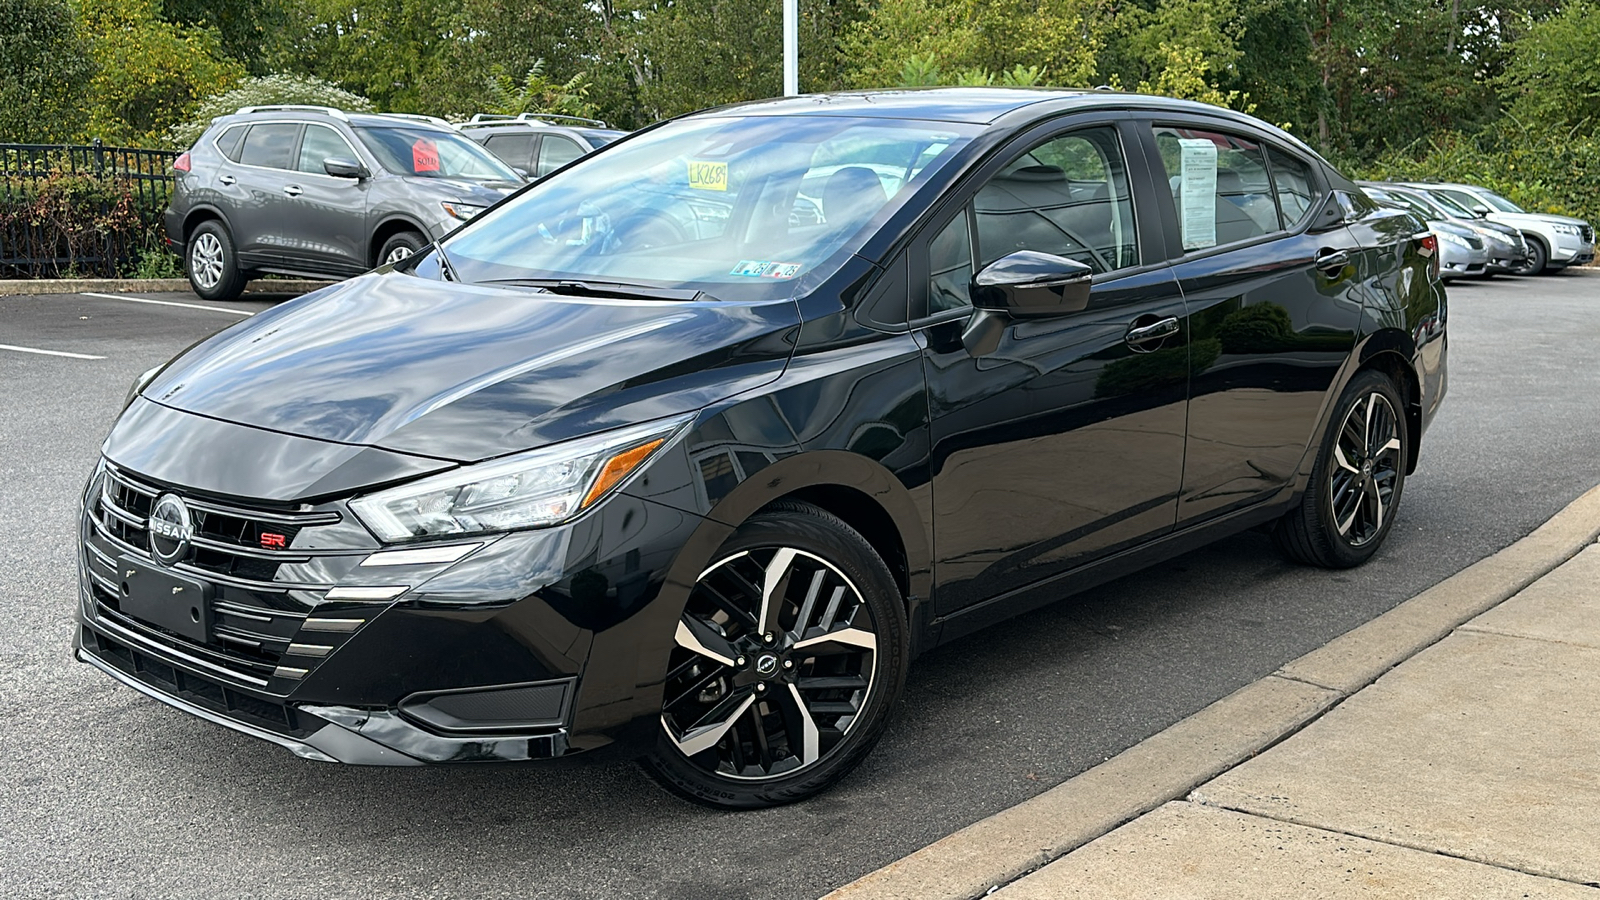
[462, 211]
[1561, 228]
[537, 489]
[140, 383]
[1456, 239]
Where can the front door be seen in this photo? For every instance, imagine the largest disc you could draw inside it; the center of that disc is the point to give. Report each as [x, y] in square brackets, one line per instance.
[1063, 442]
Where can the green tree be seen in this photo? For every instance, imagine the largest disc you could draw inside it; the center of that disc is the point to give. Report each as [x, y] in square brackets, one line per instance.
[149, 72]
[1552, 79]
[245, 28]
[537, 93]
[44, 72]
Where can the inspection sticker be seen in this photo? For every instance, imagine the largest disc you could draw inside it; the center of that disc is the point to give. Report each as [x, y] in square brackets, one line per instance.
[708, 176]
[758, 268]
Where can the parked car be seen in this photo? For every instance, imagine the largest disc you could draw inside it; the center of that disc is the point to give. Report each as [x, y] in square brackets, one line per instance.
[544, 487]
[1462, 250]
[1508, 251]
[1554, 242]
[309, 190]
[538, 144]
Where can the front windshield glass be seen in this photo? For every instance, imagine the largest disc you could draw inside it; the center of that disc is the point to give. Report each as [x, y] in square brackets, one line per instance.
[732, 206]
[1501, 203]
[430, 153]
[1451, 206]
[1424, 205]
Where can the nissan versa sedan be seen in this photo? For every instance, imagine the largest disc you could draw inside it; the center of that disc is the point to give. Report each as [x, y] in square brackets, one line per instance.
[580, 475]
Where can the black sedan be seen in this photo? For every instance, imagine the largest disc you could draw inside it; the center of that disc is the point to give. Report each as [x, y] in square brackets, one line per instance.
[693, 446]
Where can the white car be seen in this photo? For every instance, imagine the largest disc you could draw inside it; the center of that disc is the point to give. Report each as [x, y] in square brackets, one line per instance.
[1554, 242]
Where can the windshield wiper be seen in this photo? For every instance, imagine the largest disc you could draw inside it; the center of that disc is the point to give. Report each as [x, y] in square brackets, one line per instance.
[617, 289]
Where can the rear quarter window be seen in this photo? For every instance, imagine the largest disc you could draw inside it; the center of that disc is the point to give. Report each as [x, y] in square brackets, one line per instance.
[230, 140]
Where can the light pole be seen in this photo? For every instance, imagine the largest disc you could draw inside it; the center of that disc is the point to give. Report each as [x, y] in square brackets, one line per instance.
[791, 47]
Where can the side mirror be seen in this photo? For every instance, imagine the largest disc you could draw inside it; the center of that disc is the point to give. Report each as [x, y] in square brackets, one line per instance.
[1028, 284]
[342, 167]
[1482, 210]
[527, 174]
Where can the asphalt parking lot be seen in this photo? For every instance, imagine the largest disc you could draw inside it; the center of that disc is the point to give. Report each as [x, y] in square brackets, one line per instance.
[105, 793]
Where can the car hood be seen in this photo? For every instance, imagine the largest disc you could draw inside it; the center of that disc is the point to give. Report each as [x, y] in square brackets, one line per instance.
[1535, 217]
[465, 372]
[487, 193]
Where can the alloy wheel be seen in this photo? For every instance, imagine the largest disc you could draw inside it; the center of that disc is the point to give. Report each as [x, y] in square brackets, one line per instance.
[773, 665]
[397, 254]
[1366, 469]
[206, 260]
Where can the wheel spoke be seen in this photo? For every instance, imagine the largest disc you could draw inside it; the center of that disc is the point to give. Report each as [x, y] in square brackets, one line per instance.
[1377, 505]
[1339, 457]
[1366, 428]
[775, 580]
[698, 637]
[848, 637]
[810, 739]
[703, 737]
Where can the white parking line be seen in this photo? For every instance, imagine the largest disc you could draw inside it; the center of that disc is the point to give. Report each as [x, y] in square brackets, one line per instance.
[220, 309]
[49, 352]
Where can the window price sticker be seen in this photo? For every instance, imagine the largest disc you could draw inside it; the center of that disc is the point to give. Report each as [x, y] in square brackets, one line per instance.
[424, 156]
[758, 268]
[708, 176]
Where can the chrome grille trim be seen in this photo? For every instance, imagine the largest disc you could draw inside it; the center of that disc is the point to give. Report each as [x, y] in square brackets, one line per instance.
[304, 520]
[254, 613]
[163, 652]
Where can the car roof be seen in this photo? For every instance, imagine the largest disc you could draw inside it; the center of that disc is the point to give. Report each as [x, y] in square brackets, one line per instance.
[315, 113]
[969, 105]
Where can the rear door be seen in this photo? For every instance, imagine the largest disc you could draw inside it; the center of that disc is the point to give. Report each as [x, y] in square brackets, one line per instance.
[1274, 306]
[263, 174]
[1062, 442]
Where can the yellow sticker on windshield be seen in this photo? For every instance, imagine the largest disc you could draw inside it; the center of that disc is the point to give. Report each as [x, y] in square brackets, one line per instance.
[708, 176]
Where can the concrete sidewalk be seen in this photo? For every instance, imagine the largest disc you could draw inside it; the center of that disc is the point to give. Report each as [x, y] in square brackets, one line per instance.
[1470, 770]
[1448, 748]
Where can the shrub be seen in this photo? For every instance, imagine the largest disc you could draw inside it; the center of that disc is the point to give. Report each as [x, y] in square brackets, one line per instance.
[264, 91]
[72, 224]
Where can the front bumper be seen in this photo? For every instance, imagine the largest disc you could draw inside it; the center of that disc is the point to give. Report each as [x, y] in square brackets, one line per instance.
[532, 645]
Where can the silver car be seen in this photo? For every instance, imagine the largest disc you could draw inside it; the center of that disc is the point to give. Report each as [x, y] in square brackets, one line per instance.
[313, 191]
[1554, 242]
[1462, 250]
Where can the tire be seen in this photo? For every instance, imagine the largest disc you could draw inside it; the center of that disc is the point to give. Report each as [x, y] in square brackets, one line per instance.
[211, 263]
[400, 246]
[766, 704]
[1357, 482]
[1538, 258]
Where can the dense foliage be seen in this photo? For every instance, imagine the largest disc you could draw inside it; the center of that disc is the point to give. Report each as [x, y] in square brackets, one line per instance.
[1509, 89]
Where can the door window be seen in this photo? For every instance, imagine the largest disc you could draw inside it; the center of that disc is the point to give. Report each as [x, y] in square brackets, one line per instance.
[271, 146]
[321, 143]
[555, 152]
[1067, 196]
[516, 149]
[1220, 186]
[1291, 179]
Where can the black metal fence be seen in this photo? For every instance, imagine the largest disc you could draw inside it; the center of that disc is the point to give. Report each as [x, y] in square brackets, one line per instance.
[81, 210]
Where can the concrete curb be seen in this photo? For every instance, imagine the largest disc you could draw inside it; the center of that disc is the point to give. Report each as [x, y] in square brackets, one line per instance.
[1168, 765]
[145, 286]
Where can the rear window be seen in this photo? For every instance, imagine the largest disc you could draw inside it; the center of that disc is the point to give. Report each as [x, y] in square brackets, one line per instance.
[271, 146]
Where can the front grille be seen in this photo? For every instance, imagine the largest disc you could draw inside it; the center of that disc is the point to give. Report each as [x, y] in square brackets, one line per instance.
[1587, 232]
[255, 613]
[196, 689]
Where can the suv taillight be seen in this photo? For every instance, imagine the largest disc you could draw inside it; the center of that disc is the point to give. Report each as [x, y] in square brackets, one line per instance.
[182, 162]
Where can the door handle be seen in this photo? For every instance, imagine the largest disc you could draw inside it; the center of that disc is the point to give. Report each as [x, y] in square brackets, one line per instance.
[292, 190]
[1332, 262]
[227, 180]
[1155, 331]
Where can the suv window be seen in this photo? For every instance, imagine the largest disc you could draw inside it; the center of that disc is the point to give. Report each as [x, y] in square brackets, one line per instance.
[516, 149]
[1067, 196]
[1291, 179]
[228, 142]
[320, 143]
[1219, 184]
[269, 145]
[555, 152]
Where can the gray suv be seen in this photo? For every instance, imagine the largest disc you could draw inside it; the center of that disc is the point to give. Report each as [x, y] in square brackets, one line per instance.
[538, 144]
[313, 191]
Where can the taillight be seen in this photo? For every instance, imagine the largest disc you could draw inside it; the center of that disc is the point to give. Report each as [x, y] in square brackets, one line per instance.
[182, 162]
[1428, 246]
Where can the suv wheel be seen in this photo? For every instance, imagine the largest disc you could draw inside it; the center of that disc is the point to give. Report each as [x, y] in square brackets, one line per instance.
[399, 247]
[791, 653]
[1537, 258]
[212, 265]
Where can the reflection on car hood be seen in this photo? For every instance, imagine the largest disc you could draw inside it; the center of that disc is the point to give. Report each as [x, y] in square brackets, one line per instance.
[1540, 217]
[465, 372]
[485, 192]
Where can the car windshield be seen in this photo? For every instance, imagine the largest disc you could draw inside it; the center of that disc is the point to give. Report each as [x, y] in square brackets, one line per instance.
[1451, 206]
[1424, 205]
[1500, 203]
[735, 207]
[431, 153]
